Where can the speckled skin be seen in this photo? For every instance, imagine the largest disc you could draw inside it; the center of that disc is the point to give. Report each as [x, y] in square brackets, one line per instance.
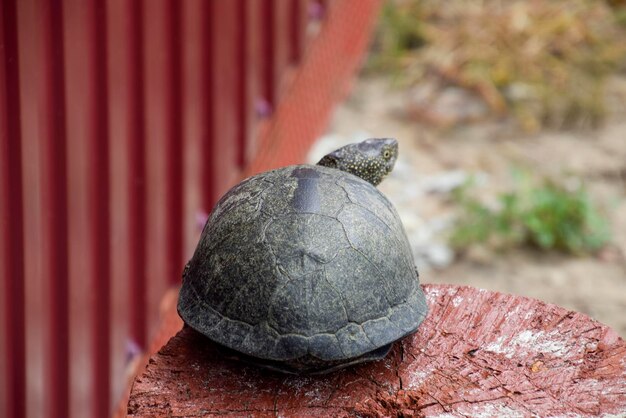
[303, 269]
[371, 159]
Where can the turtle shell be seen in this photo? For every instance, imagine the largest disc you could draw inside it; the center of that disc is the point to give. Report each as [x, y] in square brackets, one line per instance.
[303, 265]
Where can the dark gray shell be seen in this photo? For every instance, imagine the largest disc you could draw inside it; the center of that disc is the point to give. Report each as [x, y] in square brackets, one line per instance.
[303, 262]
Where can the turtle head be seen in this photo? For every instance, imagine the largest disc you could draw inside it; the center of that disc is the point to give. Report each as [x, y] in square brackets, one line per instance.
[371, 159]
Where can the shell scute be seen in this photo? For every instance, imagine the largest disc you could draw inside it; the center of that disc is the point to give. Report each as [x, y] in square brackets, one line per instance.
[306, 267]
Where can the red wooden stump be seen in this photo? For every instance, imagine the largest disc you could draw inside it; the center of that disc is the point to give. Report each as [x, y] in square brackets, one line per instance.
[478, 353]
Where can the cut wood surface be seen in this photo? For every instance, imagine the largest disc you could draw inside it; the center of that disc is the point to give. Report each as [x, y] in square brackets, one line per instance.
[478, 353]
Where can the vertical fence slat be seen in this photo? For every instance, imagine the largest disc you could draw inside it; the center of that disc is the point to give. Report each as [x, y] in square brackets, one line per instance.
[156, 73]
[79, 102]
[241, 84]
[255, 92]
[252, 95]
[88, 200]
[54, 211]
[282, 41]
[193, 123]
[268, 63]
[36, 306]
[100, 218]
[174, 154]
[276, 45]
[133, 117]
[298, 29]
[122, 348]
[12, 336]
[208, 183]
[337, 44]
[220, 97]
[294, 20]
[223, 97]
[137, 163]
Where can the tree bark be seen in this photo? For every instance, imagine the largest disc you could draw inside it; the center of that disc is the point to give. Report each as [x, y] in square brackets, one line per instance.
[478, 353]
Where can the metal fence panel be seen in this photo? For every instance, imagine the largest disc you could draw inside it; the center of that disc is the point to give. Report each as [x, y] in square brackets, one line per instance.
[121, 122]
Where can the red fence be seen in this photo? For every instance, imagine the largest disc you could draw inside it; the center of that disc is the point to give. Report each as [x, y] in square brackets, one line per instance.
[121, 121]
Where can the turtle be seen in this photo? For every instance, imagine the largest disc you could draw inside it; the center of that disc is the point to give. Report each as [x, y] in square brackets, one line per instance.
[306, 269]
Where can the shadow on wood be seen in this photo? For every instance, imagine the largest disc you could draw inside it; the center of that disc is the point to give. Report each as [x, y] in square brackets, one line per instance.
[478, 353]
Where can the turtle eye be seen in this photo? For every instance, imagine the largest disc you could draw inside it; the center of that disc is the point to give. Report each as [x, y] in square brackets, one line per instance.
[386, 154]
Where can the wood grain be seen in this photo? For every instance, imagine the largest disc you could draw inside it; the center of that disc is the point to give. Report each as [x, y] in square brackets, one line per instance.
[478, 353]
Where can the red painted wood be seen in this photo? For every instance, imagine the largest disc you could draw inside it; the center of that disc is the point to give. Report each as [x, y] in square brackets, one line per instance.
[477, 353]
[12, 317]
[54, 211]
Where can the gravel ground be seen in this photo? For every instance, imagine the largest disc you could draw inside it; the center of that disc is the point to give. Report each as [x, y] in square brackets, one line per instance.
[432, 162]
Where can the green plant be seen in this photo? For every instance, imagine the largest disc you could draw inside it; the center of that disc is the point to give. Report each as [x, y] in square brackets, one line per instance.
[542, 214]
[400, 30]
[544, 62]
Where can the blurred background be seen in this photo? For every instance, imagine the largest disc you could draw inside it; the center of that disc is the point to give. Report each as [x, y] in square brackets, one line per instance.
[511, 117]
[122, 122]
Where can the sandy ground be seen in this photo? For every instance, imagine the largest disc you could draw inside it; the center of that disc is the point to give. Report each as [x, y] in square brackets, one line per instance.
[595, 285]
